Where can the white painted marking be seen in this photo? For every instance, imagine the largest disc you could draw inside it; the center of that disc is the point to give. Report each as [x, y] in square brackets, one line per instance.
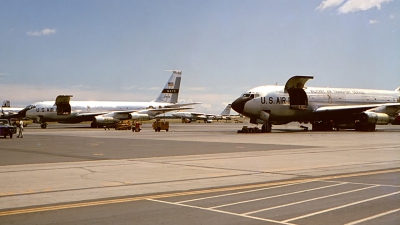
[340, 207]
[275, 196]
[373, 217]
[309, 200]
[219, 211]
[242, 192]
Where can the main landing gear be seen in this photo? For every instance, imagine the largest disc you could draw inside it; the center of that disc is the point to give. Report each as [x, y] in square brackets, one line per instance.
[266, 128]
[43, 125]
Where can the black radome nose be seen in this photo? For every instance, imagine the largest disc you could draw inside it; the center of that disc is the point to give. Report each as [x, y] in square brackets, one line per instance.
[238, 104]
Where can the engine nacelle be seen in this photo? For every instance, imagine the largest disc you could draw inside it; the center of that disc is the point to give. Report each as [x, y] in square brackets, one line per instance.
[141, 117]
[105, 120]
[375, 118]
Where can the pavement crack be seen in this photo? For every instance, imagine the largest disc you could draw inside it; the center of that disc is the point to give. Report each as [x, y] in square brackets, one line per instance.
[92, 172]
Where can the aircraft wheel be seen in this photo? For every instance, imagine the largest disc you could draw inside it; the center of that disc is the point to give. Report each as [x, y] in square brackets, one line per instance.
[11, 135]
[43, 125]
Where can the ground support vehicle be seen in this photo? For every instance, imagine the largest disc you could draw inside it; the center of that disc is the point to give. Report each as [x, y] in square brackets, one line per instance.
[123, 125]
[136, 127]
[160, 125]
[397, 120]
[6, 129]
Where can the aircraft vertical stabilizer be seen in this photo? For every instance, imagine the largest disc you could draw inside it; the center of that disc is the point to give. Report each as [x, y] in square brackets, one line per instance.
[171, 89]
[227, 110]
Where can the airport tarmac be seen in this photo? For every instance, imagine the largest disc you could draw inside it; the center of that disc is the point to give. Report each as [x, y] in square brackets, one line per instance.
[203, 173]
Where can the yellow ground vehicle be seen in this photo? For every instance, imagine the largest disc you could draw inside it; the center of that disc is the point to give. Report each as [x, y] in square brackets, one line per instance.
[160, 125]
[123, 125]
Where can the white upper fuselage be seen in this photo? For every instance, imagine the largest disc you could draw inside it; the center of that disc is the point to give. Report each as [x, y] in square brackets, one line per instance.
[274, 99]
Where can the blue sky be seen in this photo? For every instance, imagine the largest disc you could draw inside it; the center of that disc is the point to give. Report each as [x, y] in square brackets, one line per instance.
[119, 50]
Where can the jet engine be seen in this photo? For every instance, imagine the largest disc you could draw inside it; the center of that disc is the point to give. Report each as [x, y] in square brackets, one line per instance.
[137, 116]
[375, 118]
[105, 120]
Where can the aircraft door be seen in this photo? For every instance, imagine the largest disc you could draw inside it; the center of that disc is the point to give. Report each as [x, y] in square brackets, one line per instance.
[295, 88]
[63, 106]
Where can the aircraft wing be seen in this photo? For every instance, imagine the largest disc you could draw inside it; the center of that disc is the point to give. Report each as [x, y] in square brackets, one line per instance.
[178, 105]
[389, 108]
[162, 110]
[196, 114]
[156, 110]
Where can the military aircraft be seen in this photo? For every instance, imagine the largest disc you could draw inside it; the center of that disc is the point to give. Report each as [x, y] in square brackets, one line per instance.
[225, 114]
[101, 113]
[8, 112]
[193, 116]
[325, 108]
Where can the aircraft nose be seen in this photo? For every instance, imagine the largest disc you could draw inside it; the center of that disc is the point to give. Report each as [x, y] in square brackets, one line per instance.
[238, 104]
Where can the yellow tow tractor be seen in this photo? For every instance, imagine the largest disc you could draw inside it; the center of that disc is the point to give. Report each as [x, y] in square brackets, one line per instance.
[123, 125]
[160, 125]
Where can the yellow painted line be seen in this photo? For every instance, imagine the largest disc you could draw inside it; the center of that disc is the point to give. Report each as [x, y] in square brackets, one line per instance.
[157, 196]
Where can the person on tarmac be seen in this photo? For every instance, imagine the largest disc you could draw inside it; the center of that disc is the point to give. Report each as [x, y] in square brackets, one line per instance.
[21, 128]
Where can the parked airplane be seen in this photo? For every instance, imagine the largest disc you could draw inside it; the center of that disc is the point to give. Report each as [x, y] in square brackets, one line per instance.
[190, 116]
[8, 112]
[106, 112]
[324, 108]
[225, 114]
[193, 116]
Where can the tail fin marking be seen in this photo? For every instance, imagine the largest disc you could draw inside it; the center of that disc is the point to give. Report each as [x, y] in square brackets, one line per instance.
[171, 89]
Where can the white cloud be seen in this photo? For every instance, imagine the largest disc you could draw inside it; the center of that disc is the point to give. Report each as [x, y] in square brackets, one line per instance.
[351, 5]
[392, 16]
[328, 3]
[373, 21]
[43, 32]
[360, 5]
[4, 74]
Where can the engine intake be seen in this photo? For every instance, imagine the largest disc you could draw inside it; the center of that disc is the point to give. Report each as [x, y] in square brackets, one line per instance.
[141, 117]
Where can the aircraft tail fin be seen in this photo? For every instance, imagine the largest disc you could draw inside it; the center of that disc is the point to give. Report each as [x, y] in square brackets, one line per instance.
[227, 110]
[6, 103]
[171, 89]
[398, 89]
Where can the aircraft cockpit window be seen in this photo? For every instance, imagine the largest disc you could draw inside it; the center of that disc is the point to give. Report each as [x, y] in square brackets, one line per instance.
[250, 95]
[30, 107]
[246, 95]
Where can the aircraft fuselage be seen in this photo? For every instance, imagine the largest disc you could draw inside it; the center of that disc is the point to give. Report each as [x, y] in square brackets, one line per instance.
[274, 104]
[47, 110]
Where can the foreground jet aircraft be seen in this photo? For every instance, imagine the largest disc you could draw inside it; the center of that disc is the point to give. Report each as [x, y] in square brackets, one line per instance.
[106, 112]
[325, 108]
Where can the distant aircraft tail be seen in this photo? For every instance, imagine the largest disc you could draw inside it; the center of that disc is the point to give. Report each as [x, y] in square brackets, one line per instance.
[6, 103]
[227, 110]
[171, 90]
